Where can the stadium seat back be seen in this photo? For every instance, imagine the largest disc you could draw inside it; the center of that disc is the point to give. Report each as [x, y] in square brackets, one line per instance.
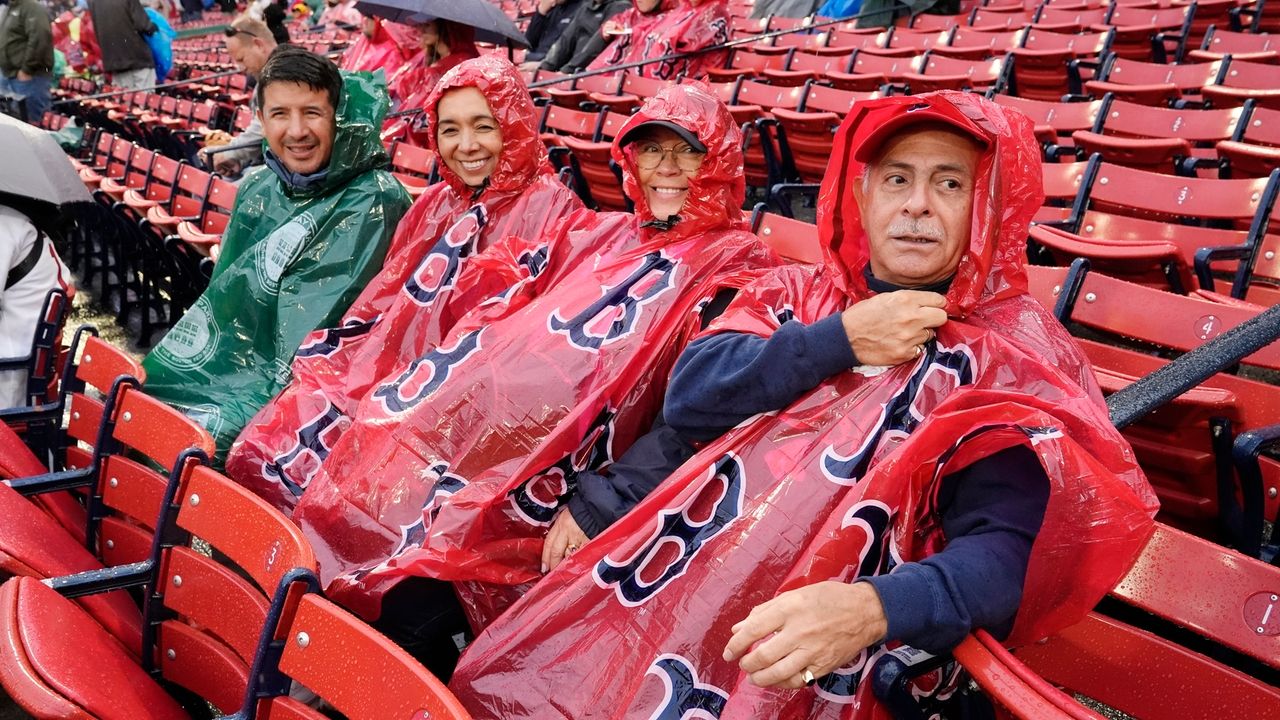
[792, 239]
[1157, 196]
[1219, 42]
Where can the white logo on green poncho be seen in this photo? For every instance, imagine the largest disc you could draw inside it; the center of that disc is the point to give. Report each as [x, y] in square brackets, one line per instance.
[273, 256]
[208, 415]
[192, 341]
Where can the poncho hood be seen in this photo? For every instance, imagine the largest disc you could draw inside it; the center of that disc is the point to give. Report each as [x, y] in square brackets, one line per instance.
[357, 147]
[524, 157]
[717, 191]
[1008, 190]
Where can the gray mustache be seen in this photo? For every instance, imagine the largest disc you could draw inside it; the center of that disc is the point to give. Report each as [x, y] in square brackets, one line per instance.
[915, 228]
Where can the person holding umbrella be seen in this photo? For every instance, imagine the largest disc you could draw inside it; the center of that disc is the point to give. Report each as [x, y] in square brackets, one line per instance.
[443, 45]
[36, 181]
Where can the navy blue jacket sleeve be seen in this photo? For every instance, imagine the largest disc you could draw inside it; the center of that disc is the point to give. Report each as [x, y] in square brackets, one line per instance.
[721, 380]
[991, 512]
[605, 496]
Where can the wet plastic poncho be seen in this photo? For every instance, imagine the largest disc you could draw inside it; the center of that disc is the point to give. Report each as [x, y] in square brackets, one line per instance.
[293, 258]
[839, 485]
[455, 466]
[413, 84]
[451, 253]
[390, 47]
[675, 27]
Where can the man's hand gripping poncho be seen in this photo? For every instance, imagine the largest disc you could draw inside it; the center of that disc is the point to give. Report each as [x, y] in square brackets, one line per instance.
[455, 252]
[456, 466]
[839, 485]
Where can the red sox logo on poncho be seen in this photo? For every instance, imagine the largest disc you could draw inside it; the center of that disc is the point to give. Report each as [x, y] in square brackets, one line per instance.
[536, 500]
[426, 374]
[415, 533]
[615, 315]
[328, 341]
[309, 451]
[534, 261]
[683, 530]
[684, 696]
[439, 268]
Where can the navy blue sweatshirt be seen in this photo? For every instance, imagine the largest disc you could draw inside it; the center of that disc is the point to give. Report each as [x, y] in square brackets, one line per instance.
[990, 511]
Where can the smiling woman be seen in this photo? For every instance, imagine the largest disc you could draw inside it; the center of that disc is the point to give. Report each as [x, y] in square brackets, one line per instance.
[468, 137]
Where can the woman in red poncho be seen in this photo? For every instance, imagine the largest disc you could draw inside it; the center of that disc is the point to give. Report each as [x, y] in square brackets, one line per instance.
[382, 45]
[443, 45]
[498, 231]
[843, 483]
[456, 466]
[652, 28]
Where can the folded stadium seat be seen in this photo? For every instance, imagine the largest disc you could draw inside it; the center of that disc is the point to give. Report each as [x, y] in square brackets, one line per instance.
[1151, 34]
[206, 232]
[66, 428]
[205, 618]
[412, 166]
[184, 202]
[927, 22]
[906, 40]
[1054, 121]
[1155, 138]
[1062, 183]
[938, 72]
[845, 41]
[558, 122]
[42, 362]
[970, 44]
[764, 157]
[805, 135]
[1038, 65]
[1184, 448]
[872, 71]
[321, 636]
[800, 42]
[1254, 151]
[792, 239]
[580, 90]
[1245, 81]
[124, 494]
[745, 63]
[631, 93]
[1256, 278]
[995, 18]
[1124, 654]
[1262, 16]
[806, 66]
[161, 293]
[109, 146]
[1209, 13]
[600, 178]
[116, 167]
[1219, 42]
[1123, 205]
[1068, 20]
[1156, 84]
[134, 176]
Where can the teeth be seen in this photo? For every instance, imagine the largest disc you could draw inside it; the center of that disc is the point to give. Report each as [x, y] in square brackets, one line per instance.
[473, 164]
[671, 192]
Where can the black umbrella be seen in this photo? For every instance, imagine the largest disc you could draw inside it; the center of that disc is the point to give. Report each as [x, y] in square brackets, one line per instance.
[35, 167]
[491, 24]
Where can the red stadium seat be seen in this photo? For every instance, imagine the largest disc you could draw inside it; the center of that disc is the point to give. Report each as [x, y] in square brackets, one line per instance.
[792, 239]
[743, 63]
[1038, 65]
[1255, 150]
[1156, 84]
[1055, 121]
[1155, 138]
[938, 72]
[805, 66]
[1152, 34]
[1219, 42]
[1245, 81]
[205, 617]
[412, 166]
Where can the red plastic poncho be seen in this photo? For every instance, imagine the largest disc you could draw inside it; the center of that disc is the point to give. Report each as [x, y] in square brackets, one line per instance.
[456, 472]
[839, 485]
[451, 253]
[390, 47]
[411, 86]
[687, 25]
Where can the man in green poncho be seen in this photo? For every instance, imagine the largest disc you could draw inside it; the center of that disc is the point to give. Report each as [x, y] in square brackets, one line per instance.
[306, 235]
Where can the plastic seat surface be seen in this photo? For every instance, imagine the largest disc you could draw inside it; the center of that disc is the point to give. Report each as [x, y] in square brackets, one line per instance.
[52, 648]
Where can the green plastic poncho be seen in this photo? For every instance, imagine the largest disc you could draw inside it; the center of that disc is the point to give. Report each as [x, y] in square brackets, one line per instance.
[293, 258]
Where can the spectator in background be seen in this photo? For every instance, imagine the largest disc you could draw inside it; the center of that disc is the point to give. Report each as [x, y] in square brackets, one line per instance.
[443, 45]
[545, 27]
[382, 45]
[160, 41]
[582, 40]
[654, 28]
[250, 43]
[339, 13]
[121, 27]
[191, 10]
[29, 269]
[26, 55]
[306, 235]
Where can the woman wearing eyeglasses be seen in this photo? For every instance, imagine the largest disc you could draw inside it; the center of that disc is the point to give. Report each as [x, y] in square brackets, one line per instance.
[455, 466]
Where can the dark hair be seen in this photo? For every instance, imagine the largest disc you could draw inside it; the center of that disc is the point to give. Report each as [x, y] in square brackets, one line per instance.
[290, 63]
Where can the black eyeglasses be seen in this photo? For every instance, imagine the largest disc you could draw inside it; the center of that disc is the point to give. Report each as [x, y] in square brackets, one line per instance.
[232, 32]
